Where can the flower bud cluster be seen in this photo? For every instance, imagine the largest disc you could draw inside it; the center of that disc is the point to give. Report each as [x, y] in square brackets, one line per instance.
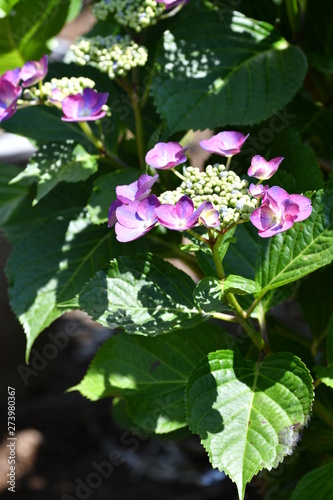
[59, 88]
[135, 14]
[223, 188]
[114, 54]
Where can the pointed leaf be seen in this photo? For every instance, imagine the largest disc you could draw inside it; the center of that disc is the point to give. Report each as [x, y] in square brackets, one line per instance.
[316, 484]
[58, 162]
[248, 414]
[241, 66]
[305, 247]
[239, 285]
[142, 294]
[150, 373]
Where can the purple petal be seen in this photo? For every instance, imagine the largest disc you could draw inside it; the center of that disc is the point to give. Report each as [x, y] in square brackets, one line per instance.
[11, 76]
[127, 215]
[304, 205]
[34, 71]
[145, 183]
[166, 155]
[258, 191]
[275, 195]
[184, 208]
[263, 218]
[147, 207]
[226, 143]
[85, 107]
[262, 169]
[125, 234]
[209, 216]
[180, 216]
[112, 212]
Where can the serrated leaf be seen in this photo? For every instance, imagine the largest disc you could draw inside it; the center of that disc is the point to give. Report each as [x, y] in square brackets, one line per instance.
[248, 414]
[10, 196]
[239, 285]
[208, 295]
[241, 66]
[51, 265]
[142, 294]
[305, 247]
[316, 484]
[104, 193]
[58, 162]
[150, 373]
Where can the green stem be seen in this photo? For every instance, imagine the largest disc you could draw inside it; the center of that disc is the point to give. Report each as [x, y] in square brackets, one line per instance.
[231, 299]
[197, 236]
[323, 413]
[91, 136]
[178, 174]
[225, 317]
[246, 325]
[228, 162]
[293, 16]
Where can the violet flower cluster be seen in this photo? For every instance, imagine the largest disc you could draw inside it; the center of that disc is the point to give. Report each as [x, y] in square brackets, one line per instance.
[216, 198]
[13, 81]
[87, 105]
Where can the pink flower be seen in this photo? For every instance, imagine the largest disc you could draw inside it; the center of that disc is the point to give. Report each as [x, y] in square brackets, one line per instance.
[169, 4]
[12, 76]
[225, 143]
[137, 191]
[209, 216]
[166, 155]
[8, 99]
[84, 107]
[34, 71]
[136, 219]
[258, 191]
[180, 216]
[262, 169]
[279, 211]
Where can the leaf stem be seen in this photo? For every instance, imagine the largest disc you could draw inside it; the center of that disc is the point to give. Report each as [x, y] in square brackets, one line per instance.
[225, 317]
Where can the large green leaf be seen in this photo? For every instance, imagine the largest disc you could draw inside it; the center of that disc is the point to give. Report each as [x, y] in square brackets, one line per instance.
[150, 373]
[10, 196]
[305, 247]
[316, 484]
[235, 73]
[51, 265]
[142, 294]
[58, 162]
[248, 414]
[25, 31]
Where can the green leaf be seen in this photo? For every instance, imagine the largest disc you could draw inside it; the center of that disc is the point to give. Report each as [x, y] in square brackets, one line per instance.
[239, 285]
[58, 162]
[24, 33]
[51, 265]
[330, 342]
[299, 162]
[104, 193]
[143, 294]
[317, 40]
[307, 246]
[248, 414]
[39, 116]
[325, 374]
[235, 73]
[208, 295]
[316, 484]
[10, 196]
[150, 373]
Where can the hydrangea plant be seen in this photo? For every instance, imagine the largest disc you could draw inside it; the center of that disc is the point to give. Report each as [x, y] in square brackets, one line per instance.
[189, 262]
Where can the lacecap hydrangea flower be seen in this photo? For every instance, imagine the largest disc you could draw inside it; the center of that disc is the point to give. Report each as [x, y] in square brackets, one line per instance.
[279, 211]
[165, 155]
[84, 107]
[226, 143]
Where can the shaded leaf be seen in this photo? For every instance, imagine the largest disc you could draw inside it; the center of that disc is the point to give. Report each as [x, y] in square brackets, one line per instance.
[10, 196]
[248, 414]
[241, 66]
[142, 294]
[316, 484]
[150, 373]
[58, 162]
